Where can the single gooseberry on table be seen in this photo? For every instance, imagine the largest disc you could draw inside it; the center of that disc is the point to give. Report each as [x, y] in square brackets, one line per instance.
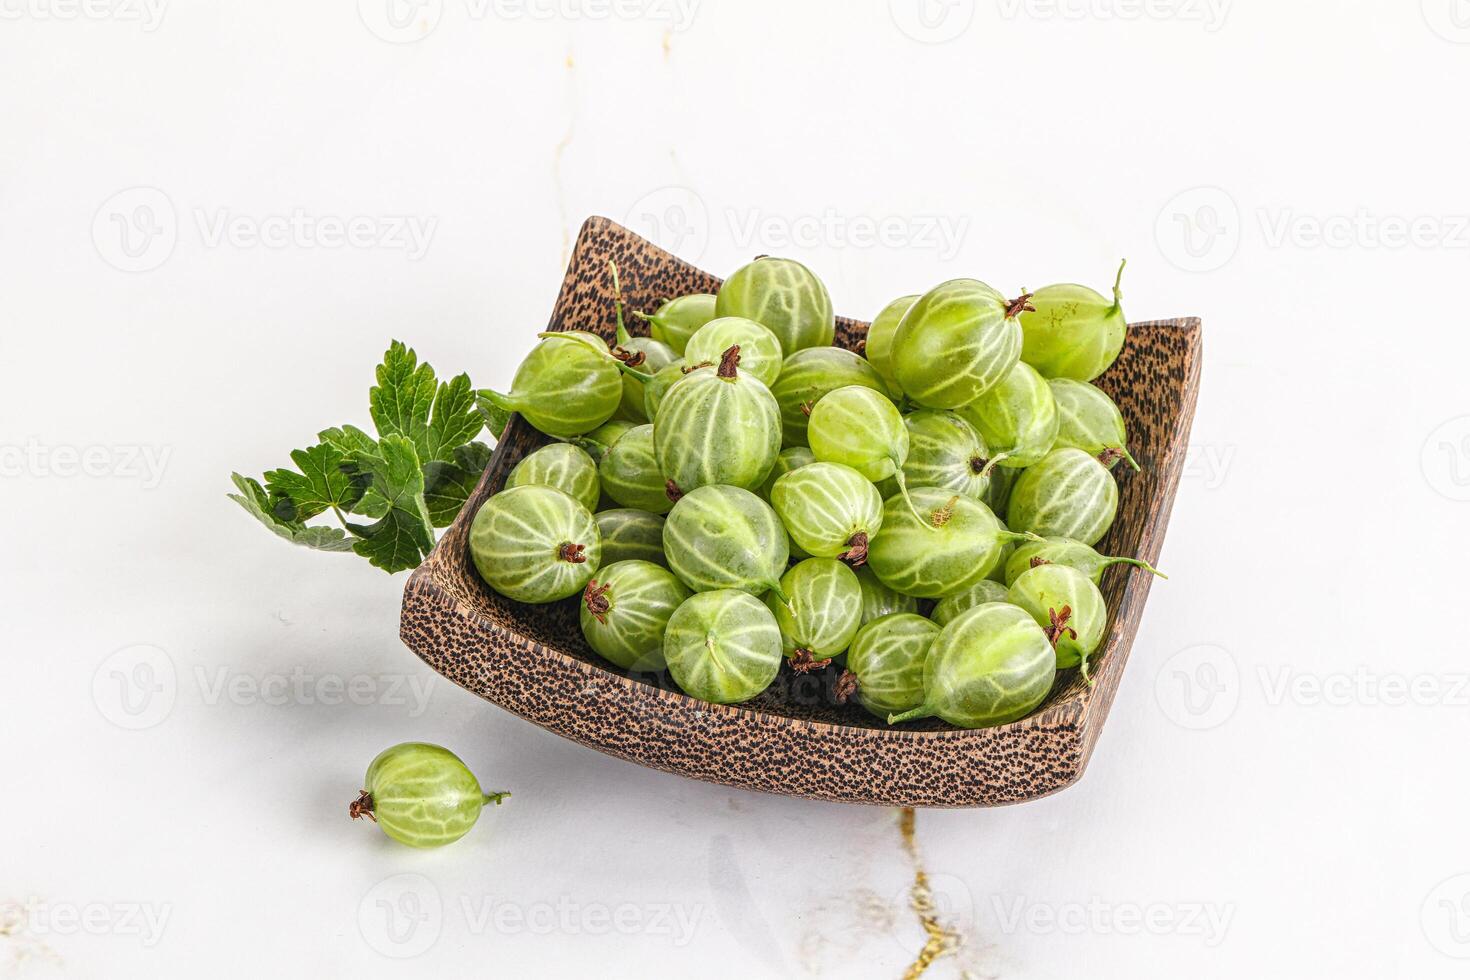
[421, 795]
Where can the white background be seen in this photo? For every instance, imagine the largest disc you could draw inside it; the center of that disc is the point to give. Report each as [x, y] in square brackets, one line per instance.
[1265, 798]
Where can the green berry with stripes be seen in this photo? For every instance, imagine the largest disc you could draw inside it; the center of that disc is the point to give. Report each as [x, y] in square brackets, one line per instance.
[991, 665]
[626, 609]
[821, 612]
[878, 599]
[566, 386]
[675, 321]
[786, 297]
[717, 427]
[422, 795]
[949, 545]
[1073, 554]
[1007, 548]
[787, 460]
[597, 442]
[887, 657]
[998, 494]
[1017, 418]
[1068, 494]
[630, 474]
[808, 375]
[861, 428]
[831, 510]
[629, 534]
[723, 537]
[1091, 422]
[878, 345]
[1067, 606]
[535, 544]
[946, 452]
[957, 342]
[723, 646]
[563, 466]
[657, 386]
[981, 592]
[651, 356]
[760, 351]
[1073, 331]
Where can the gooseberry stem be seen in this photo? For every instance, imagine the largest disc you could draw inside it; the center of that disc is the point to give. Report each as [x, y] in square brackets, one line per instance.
[1128, 457]
[1117, 286]
[994, 461]
[622, 332]
[496, 798]
[504, 402]
[922, 711]
[903, 488]
[1136, 563]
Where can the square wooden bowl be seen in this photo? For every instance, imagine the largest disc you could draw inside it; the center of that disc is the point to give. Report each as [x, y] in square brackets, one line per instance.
[794, 739]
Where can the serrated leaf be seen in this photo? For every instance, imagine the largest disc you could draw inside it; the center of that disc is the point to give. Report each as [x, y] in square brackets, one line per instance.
[496, 418]
[256, 501]
[348, 439]
[320, 485]
[407, 401]
[403, 535]
[448, 485]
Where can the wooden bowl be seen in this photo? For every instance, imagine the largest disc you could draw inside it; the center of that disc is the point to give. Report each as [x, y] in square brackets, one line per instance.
[794, 739]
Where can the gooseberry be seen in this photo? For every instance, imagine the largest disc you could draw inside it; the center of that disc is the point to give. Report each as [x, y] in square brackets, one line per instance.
[878, 599]
[1017, 418]
[878, 346]
[861, 428]
[957, 342]
[887, 659]
[983, 591]
[783, 295]
[1073, 554]
[1068, 608]
[760, 351]
[567, 386]
[630, 473]
[563, 466]
[787, 460]
[945, 451]
[629, 534]
[723, 537]
[991, 665]
[421, 795]
[1091, 422]
[831, 510]
[1068, 494]
[949, 545]
[597, 442]
[810, 374]
[822, 610]
[625, 610]
[535, 544]
[717, 427]
[675, 321]
[1072, 331]
[657, 386]
[723, 646]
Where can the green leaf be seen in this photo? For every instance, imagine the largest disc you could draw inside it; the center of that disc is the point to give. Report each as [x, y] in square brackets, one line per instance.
[348, 439]
[320, 485]
[448, 485]
[407, 401]
[255, 500]
[496, 418]
[401, 538]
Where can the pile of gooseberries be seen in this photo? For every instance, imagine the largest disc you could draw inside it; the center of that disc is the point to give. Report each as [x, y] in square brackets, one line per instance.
[732, 496]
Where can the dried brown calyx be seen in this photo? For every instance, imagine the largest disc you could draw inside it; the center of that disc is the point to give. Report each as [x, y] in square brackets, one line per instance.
[594, 597]
[574, 553]
[803, 662]
[1110, 455]
[362, 807]
[978, 464]
[1021, 304]
[941, 515]
[806, 408]
[1059, 625]
[1037, 561]
[672, 491]
[857, 549]
[728, 362]
[847, 686]
[632, 358]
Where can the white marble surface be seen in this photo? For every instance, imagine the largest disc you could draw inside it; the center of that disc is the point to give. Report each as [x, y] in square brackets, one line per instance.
[1306, 818]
